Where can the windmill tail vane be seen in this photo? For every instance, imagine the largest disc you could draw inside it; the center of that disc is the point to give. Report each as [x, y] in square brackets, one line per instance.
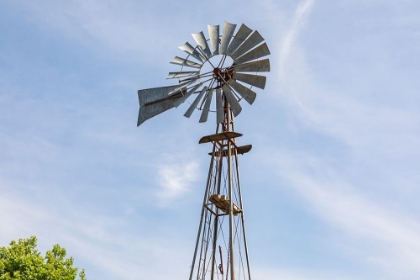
[220, 90]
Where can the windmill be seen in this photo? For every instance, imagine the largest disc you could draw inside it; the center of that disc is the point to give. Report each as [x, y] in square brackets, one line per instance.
[215, 73]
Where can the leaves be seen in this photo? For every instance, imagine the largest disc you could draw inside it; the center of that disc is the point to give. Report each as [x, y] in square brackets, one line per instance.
[22, 261]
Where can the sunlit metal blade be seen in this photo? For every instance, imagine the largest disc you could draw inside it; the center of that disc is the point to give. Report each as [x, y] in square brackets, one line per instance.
[260, 51]
[253, 80]
[172, 75]
[228, 30]
[255, 66]
[234, 104]
[214, 38]
[253, 40]
[239, 38]
[183, 86]
[219, 106]
[154, 101]
[186, 95]
[206, 109]
[184, 62]
[202, 42]
[243, 91]
[195, 103]
[193, 52]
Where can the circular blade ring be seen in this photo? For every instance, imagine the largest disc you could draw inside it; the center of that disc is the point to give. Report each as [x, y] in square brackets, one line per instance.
[224, 83]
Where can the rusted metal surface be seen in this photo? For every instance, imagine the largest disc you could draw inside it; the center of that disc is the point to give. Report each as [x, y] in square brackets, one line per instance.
[238, 150]
[219, 136]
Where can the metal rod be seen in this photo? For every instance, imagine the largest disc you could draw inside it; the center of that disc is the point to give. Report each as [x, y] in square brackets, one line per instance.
[242, 216]
[203, 209]
[232, 268]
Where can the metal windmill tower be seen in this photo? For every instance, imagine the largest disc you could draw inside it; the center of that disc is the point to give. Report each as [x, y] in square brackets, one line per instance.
[221, 250]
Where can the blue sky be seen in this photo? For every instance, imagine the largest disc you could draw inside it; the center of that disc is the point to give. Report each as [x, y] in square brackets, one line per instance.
[330, 187]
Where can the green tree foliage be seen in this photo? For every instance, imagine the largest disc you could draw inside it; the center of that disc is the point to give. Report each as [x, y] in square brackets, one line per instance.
[22, 261]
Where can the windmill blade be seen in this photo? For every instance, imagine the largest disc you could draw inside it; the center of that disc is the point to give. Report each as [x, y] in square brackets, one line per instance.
[202, 42]
[228, 29]
[183, 86]
[249, 43]
[206, 109]
[219, 106]
[255, 66]
[154, 101]
[234, 104]
[239, 38]
[253, 80]
[186, 95]
[214, 38]
[193, 52]
[260, 51]
[243, 91]
[173, 75]
[195, 103]
[184, 62]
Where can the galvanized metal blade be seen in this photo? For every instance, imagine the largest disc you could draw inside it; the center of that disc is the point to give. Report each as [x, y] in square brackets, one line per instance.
[239, 38]
[206, 109]
[214, 38]
[193, 52]
[255, 66]
[260, 51]
[219, 106]
[234, 104]
[184, 62]
[202, 43]
[195, 103]
[182, 86]
[253, 80]
[173, 75]
[243, 91]
[228, 30]
[253, 40]
[186, 95]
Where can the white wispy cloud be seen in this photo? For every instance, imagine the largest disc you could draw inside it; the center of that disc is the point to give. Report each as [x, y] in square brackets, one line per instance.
[175, 179]
[289, 38]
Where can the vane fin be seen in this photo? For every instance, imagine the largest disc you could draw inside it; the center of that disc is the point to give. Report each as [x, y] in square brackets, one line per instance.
[253, 80]
[228, 30]
[249, 43]
[260, 51]
[234, 104]
[195, 103]
[239, 38]
[193, 52]
[184, 62]
[243, 91]
[214, 38]
[186, 95]
[254, 66]
[202, 43]
[206, 109]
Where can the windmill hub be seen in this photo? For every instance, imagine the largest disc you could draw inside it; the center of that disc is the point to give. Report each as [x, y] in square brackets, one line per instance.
[223, 75]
